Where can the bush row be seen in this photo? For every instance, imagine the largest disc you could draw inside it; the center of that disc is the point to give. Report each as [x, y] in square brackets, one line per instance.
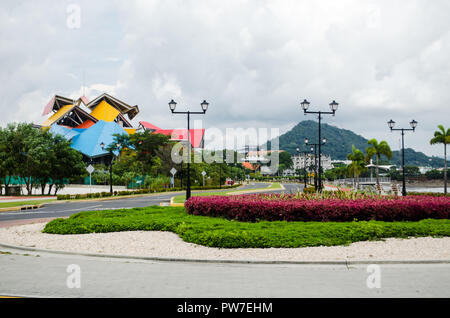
[123, 193]
[253, 208]
[309, 190]
[433, 194]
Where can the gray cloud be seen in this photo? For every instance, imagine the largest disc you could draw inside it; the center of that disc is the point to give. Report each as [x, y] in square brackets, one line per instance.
[252, 60]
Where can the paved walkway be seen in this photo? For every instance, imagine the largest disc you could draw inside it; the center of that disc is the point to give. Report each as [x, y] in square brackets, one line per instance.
[79, 189]
[10, 223]
[54, 275]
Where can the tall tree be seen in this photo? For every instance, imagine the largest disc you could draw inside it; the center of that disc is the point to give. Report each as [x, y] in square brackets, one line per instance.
[65, 163]
[442, 136]
[358, 159]
[47, 155]
[378, 149]
[3, 159]
[285, 161]
[32, 147]
[146, 145]
[11, 151]
[37, 157]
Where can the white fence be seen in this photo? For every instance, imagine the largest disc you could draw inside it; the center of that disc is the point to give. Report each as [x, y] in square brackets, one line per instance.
[362, 180]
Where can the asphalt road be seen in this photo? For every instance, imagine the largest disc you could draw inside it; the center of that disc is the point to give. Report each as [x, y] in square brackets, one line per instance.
[44, 274]
[47, 275]
[68, 208]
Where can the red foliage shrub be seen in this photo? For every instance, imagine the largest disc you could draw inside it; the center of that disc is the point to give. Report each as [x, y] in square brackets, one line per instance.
[252, 208]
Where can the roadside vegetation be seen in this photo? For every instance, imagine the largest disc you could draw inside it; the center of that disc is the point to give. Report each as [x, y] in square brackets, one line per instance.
[222, 233]
[442, 136]
[22, 203]
[36, 158]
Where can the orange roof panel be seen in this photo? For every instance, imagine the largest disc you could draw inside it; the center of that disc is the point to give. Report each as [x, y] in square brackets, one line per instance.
[88, 123]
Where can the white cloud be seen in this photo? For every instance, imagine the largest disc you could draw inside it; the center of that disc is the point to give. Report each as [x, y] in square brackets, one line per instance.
[252, 60]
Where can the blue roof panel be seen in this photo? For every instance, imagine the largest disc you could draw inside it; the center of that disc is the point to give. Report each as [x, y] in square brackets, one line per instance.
[88, 142]
[67, 133]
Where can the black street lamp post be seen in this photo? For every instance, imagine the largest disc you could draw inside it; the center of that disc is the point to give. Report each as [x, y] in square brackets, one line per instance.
[312, 167]
[317, 166]
[413, 125]
[172, 106]
[110, 164]
[333, 107]
[220, 176]
[305, 153]
[314, 150]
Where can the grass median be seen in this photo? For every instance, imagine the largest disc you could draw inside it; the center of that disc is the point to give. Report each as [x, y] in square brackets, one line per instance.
[182, 198]
[219, 232]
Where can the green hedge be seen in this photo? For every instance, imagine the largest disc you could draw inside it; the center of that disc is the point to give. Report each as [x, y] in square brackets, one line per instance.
[142, 191]
[432, 194]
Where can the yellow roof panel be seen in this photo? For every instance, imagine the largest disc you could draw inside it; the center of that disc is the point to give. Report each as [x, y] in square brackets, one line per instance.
[105, 111]
[56, 116]
[130, 131]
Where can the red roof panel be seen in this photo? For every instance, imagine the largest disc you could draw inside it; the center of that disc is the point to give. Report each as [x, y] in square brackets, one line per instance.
[147, 125]
[48, 108]
[196, 135]
[84, 100]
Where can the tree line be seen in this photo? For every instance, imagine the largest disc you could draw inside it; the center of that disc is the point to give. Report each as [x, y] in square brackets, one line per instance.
[381, 149]
[37, 158]
[42, 160]
[148, 157]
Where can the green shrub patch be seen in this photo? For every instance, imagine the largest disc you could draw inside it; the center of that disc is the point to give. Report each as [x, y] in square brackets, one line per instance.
[219, 232]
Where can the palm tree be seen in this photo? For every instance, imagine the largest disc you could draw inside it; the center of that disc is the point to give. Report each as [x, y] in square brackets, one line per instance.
[357, 157]
[378, 149]
[442, 137]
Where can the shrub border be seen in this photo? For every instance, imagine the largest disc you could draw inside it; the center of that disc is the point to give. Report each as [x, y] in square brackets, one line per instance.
[104, 194]
[254, 208]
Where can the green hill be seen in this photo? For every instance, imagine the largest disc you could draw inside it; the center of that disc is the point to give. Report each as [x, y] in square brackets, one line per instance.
[340, 141]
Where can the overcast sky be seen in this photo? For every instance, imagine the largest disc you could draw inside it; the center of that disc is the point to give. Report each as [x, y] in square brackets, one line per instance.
[253, 61]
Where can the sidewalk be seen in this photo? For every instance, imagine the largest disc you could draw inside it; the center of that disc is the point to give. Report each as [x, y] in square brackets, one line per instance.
[24, 198]
[25, 221]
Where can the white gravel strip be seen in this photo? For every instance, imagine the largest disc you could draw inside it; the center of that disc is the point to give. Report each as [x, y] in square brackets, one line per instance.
[169, 245]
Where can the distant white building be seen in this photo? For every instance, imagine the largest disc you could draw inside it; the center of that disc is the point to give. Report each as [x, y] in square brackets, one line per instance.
[423, 170]
[301, 160]
[289, 172]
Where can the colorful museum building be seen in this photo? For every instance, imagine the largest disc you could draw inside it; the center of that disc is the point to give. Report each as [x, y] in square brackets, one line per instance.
[91, 124]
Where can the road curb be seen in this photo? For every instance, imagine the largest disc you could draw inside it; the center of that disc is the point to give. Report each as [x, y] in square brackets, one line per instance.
[22, 207]
[219, 261]
[175, 204]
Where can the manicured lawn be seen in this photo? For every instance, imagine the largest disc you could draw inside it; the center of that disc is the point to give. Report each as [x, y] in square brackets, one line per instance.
[275, 185]
[182, 198]
[20, 203]
[218, 232]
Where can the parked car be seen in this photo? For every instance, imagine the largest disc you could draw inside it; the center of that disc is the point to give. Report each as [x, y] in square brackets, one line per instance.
[229, 182]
